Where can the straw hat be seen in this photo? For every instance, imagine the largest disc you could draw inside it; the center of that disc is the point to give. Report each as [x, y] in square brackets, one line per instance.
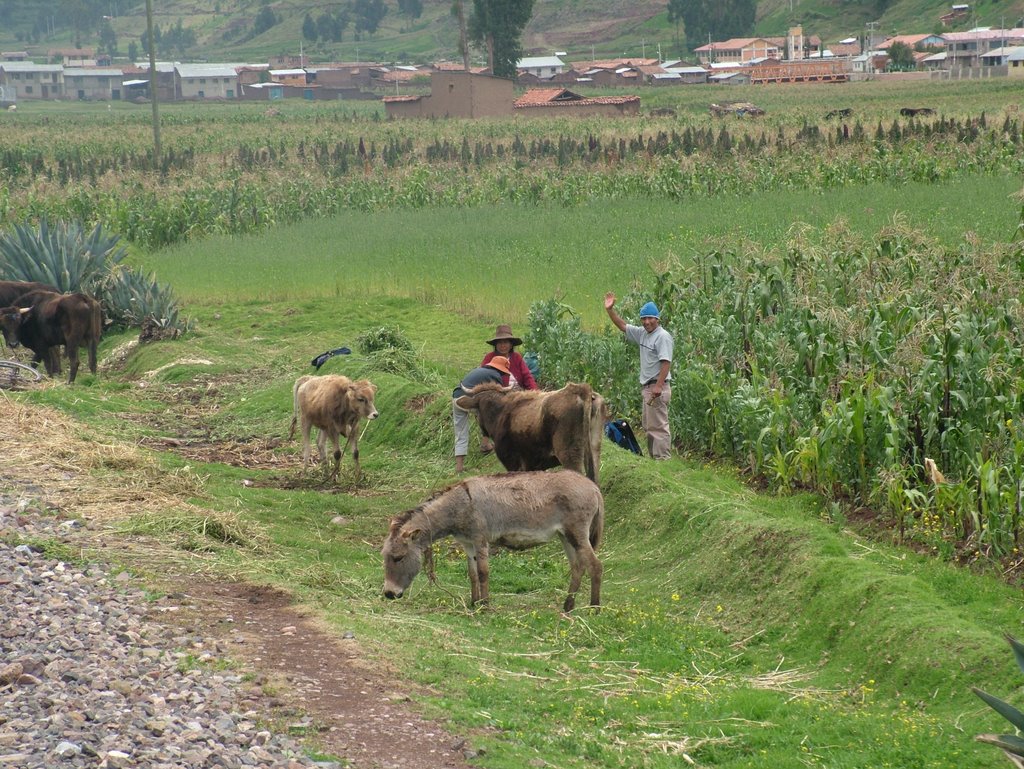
[505, 332]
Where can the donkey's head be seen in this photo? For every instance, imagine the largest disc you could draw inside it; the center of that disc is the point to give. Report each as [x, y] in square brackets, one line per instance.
[403, 558]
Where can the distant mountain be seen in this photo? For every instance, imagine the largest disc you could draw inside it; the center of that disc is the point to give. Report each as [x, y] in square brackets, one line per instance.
[254, 30]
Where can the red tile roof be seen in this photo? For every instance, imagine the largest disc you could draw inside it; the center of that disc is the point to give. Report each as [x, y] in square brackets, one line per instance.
[583, 66]
[549, 97]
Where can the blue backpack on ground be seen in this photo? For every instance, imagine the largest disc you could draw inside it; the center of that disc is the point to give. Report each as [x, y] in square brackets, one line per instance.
[619, 431]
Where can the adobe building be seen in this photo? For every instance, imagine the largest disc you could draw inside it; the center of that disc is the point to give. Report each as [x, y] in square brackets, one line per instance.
[552, 102]
[456, 93]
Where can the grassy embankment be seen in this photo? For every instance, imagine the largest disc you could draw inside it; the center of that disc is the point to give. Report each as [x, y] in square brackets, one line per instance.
[738, 629]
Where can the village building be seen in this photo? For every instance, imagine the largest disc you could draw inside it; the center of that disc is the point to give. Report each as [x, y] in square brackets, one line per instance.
[965, 49]
[558, 102]
[729, 77]
[293, 76]
[32, 81]
[344, 75]
[739, 50]
[917, 42]
[205, 81]
[541, 67]
[690, 75]
[456, 94]
[1011, 57]
[93, 84]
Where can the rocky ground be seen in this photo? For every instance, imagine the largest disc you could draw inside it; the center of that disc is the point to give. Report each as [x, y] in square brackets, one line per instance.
[95, 672]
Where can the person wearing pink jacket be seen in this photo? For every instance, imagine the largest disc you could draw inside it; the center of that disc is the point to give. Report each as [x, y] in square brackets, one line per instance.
[519, 377]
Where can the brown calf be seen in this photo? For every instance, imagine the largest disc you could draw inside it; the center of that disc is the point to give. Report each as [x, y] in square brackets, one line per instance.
[334, 404]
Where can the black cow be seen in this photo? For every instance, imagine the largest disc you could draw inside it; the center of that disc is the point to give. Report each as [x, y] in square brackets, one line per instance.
[12, 290]
[838, 113]
[915, 111]
[45, 320]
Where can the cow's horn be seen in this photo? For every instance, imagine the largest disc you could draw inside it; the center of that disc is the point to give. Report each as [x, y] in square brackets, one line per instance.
[24, 310]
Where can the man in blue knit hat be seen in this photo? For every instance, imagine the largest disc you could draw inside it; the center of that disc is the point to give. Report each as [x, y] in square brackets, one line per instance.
[655, 345]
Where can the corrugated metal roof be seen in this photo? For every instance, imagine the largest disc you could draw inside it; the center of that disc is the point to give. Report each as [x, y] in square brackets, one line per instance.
[94, 71]
[28, 66]
[206, 70]
[539, 61]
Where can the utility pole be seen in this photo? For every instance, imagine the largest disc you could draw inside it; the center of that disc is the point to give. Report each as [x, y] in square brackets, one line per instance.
[872, 28]
[152, 84]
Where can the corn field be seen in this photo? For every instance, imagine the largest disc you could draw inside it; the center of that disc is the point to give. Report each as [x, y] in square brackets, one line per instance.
[243, 173]
[840, 365]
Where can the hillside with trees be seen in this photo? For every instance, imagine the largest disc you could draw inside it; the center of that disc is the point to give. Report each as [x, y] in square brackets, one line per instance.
[428, 30]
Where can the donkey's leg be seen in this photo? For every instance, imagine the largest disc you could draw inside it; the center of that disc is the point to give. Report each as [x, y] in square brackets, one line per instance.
[474, 576]
[483, 567]
[596, 569]
[575, 571]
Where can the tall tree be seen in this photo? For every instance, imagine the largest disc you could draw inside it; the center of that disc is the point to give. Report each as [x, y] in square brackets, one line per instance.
[108, 38]
[675, 15]
[81, 15]
[411, 9]
[369, 14]
[309, 29]
[901, 57]
[498, 25]
[265, 19]
[717, 19]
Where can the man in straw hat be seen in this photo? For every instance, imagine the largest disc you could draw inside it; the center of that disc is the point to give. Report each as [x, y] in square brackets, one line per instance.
[493, 371]
[655, 345]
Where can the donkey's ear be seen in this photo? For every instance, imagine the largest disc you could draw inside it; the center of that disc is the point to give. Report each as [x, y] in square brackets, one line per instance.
[411, 533]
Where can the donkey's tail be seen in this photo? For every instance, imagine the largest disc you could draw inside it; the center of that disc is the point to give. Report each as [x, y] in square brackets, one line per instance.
[597, 525]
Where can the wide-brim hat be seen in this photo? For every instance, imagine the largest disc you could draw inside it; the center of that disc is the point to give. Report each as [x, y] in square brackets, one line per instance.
[503, 333]
[499, 362]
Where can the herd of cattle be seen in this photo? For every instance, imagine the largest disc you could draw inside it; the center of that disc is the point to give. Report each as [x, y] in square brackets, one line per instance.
[532, 431]
[41, 318]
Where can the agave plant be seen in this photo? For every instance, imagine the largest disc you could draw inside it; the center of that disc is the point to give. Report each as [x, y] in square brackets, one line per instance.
[1011, 744]
[63, 255]
[134, 299]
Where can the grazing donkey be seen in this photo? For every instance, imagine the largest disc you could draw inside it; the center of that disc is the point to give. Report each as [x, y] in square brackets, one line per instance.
[514, 510]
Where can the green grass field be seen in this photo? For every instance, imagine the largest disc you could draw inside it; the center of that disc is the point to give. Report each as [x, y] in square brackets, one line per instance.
[517, 255]
[739, 629]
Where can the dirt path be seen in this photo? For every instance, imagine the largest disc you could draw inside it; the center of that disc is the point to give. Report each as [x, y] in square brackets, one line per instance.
[325, 681]
[311, 680]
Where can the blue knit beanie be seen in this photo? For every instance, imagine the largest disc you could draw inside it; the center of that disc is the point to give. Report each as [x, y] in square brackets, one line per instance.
[650, 310]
